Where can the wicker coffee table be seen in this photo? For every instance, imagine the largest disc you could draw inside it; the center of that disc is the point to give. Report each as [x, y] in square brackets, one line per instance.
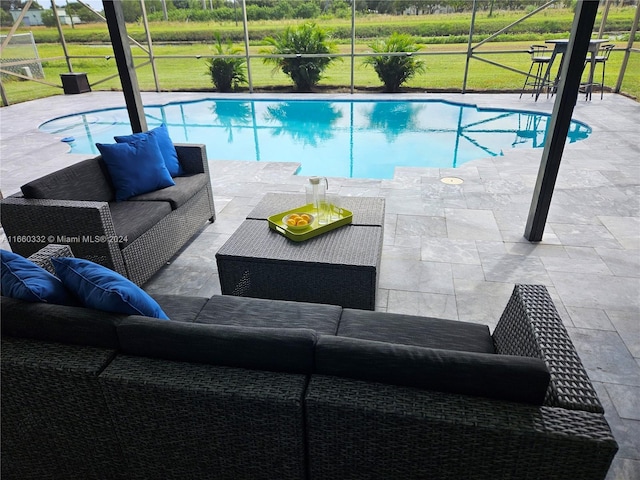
[339, 267]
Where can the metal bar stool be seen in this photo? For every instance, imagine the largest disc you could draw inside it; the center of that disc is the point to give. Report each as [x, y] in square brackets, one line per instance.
[540, 58]
[601, 58]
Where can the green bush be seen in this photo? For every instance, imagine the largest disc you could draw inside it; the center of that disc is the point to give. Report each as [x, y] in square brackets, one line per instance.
[307, 38]
[227, 74]
[394, 70]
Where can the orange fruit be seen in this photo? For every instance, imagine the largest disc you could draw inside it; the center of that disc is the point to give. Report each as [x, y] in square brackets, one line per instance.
[292, 222]
[305, 217]
[302, 222]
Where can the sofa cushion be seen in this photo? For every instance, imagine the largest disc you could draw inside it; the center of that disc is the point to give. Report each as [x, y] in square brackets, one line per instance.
[98, 287]
[59, 323]
[180, 308]
[258, 312]
[417, 331]
[132, 219]
[273, 349]
[168, 150]
[185, 187]
[87, 180]
[24, 280]
[136, 167]
[500, 377]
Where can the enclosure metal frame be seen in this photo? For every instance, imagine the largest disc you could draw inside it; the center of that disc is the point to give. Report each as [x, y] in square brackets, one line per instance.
[149, 57]
[560, 120]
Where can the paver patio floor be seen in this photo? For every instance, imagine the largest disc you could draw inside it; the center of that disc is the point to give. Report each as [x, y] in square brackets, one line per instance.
[451, 251]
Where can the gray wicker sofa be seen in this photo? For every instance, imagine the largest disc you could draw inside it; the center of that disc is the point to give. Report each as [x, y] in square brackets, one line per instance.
[244, 388]
[135, 238]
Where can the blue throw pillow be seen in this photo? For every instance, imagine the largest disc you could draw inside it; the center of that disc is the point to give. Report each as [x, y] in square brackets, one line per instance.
[136, 167]
[24, 280]
[168, 150]
[103, 289]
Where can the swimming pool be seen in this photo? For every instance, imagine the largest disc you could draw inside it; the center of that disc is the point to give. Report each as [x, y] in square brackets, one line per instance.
[341, 138]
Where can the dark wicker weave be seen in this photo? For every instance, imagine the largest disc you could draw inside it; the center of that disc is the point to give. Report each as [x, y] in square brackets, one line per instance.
[149, 252]
[338, 268]
[544, 336]
[55, 422]
[186, 421]
[83, 411]
[44, 221]
[43, 256]
[361, 430]
[62, 412]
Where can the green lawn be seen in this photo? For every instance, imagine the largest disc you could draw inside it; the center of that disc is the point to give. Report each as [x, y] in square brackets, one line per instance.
[445, 70]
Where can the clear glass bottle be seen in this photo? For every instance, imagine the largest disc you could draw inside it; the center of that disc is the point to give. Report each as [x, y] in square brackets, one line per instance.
[317, 196]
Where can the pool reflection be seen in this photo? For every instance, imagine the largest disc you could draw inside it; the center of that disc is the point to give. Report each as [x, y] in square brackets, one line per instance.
[364, 139]
[394, 118]
[293, 119]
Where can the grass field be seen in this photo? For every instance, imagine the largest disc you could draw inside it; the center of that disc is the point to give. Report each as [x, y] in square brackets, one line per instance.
[179, 69]
[445, 66]
[439, 28]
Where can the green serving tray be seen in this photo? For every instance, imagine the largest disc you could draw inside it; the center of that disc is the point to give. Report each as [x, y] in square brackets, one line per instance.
[313, 230]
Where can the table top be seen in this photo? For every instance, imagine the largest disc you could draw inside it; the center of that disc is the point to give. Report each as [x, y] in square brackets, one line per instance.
[560, 45]
[562, 41]
[366, 210]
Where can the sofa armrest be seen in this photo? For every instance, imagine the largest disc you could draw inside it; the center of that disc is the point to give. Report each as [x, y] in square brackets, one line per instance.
[530, 326]
[31, 224]
[43, 256]
[192, 157]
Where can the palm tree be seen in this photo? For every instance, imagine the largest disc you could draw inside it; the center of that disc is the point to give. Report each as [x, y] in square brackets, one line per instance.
[394, 70]
[308, 38]
[229, 72]
[294, 119]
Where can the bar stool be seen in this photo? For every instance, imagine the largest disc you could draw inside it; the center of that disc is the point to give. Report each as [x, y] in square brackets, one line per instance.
[540, 61]
[601, 57]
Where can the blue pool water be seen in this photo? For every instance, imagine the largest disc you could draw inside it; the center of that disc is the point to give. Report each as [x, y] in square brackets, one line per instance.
[343, 138]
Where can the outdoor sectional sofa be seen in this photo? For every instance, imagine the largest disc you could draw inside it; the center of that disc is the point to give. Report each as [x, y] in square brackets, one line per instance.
[136, 237]
[245, 388]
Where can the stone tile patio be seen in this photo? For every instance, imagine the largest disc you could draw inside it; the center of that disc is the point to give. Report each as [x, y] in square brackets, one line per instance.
[452, 251]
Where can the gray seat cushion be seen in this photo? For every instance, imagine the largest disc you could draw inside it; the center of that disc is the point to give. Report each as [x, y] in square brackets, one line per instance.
[132, 219]
[417, 331]
[178, 194]
[274, 349]
[59, 323]
[500, 377]
[180, 308]
[258, 312]
[87, 180]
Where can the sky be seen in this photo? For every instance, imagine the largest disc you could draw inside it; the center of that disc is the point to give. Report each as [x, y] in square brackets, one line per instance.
[95, 4]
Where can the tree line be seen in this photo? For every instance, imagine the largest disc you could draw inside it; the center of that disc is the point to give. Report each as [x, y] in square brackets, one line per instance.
[230, 10]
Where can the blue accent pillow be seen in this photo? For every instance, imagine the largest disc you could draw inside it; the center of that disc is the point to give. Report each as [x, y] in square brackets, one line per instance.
[103, 289]
[161, 134]
[136, 167]
[24, 280]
